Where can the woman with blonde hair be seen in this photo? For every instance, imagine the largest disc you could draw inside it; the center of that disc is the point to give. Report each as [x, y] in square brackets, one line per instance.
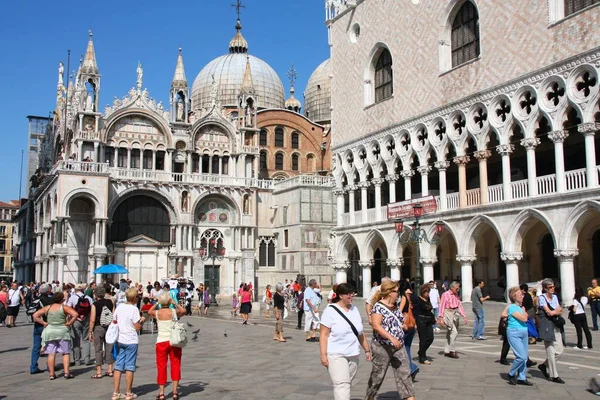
[388, 343]
[164, 351]
[517, 335]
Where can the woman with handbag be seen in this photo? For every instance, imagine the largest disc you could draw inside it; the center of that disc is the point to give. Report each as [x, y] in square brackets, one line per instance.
[341, 339]
[164, 350]
[551, 323]
[388, 343]
[516, 333]
[410, 323]
[425, 321]
[578, 318]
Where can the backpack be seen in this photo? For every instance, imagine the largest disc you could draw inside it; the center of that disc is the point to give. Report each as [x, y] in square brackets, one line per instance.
[33, 307]
[106, 316]
[83, 307]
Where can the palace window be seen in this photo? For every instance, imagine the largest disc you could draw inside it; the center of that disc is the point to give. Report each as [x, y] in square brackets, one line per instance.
[263, 160]
[266, 252]
[263, 137]
[573, 6]
[279, 137]
[147, 159]
[122, 158]
[279, 161]
[295, 162]
[384, 81]
[295, 141]
[135, 158]
[465, 35]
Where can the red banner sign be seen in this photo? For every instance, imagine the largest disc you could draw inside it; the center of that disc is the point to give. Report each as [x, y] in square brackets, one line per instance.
[404, 209]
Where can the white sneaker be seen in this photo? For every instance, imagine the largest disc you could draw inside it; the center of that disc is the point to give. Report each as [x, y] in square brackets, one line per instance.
[585, 347]
[577, 348]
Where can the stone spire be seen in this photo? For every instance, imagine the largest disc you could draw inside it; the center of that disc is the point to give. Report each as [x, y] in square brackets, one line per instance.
[179, 79]
[89, 61]
[247, 86]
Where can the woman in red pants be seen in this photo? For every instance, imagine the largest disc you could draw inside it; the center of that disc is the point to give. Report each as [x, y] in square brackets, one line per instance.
[164, 351]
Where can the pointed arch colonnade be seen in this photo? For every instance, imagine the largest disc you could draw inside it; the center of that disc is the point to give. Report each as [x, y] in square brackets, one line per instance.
[562, 243]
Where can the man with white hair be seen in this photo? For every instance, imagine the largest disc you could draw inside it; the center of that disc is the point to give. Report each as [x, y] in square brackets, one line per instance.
[80, 328]
[451, 309]
[311, 309]
[374, 291]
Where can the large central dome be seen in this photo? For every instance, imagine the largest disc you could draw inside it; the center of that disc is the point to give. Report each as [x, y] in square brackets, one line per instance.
[228, 71]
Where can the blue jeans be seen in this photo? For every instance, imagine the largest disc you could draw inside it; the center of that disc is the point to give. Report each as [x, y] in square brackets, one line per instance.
[37, 345]
[518, 340]
[408, 338]
[436, 313]
[478, 323]
[595, 307]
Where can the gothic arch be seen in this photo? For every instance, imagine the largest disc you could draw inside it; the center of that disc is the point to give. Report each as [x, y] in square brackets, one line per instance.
[369, 72]
[346, 244]
[519, 229]
[99, 212]
[430, 249]
[467, 244]
[575, 222]
[373, 241]
[166, 201]
[445, 33]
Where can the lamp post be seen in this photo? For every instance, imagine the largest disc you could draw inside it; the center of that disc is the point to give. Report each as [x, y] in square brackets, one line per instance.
[416, 234]
[214, 251]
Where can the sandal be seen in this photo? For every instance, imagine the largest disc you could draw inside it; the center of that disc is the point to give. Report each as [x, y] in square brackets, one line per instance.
[97, 376]
[117, 396]
[52, 377]
[175, 396]
[68, 376]
[160, 397]
[130, 396]
[109, 374]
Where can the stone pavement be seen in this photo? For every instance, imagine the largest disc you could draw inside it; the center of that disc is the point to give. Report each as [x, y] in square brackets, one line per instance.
[248, 364]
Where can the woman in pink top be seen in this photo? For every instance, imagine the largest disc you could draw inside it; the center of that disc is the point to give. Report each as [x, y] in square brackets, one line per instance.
[246, 301]
[3, 299]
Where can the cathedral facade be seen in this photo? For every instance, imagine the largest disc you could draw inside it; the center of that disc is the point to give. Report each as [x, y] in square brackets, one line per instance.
[225, 184]
[492, 111]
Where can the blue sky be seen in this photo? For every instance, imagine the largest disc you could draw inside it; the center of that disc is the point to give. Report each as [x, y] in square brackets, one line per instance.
[35, 36]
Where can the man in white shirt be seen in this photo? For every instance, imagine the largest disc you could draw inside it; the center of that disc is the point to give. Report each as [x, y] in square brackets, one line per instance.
[434, 297]
[80, 328]
[311, 310]
[369, 301]
[15, 299]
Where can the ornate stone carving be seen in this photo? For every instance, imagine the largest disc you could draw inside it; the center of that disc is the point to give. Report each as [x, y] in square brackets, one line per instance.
[339, 192]
[505, 149]
[566, 255]
[394, 263]
[365, 264]
[482, 154]
[514, 256]
[364, 184]
[377, 181]
[407, 173]
[589, 128]
[466, 259]
[137, 99]
[530, 143]
[442, 165]
[462, 160]
[428, 262]
[558, 136]
[352, 188]
[424, 169]
[392, 177]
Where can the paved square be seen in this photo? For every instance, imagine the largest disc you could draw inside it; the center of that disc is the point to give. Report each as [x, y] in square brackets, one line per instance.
[248, 364]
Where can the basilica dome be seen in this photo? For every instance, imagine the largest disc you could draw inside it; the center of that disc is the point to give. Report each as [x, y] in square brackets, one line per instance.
[228, 71]
[317, 96]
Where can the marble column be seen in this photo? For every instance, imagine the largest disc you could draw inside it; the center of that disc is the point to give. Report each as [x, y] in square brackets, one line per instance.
[339, 195]
[442, 166]
[341, 272]
[591, 172]
[530, 144]
[188, 167]
[366, 277]
[38, 271]
[377, 183]
[180, 266]
[169, 160]
[558, 137]
[482, 157]
[351, 189]
[427, 264]
[61, 268]
[505, 150]
[567, 273]
[128, 158]
[461, 162]
[512, 270]
[395, 265]
[96, 153]
[407, 174]
[363, 200]
[424, 171]
[392, 178]
[52, 269]
[45, 270]
[466, 275]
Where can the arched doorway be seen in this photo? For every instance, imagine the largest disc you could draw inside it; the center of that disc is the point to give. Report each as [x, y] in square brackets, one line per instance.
[486, 245]
[549, 261]
[80, 241]
[354, 273]
[377, 271]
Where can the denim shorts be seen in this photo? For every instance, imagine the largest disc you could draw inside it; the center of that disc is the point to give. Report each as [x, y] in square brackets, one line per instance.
[126, 357]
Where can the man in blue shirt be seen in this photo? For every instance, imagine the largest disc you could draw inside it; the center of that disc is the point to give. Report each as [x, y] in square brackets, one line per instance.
[311, 320]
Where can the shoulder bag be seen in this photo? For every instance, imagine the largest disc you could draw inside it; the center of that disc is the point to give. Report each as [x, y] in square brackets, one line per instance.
[557, 320]
[112, 333]
[409, 317]
[347, 320]
[178, 333]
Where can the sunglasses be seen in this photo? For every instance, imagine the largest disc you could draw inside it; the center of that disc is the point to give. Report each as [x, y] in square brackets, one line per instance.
[349, 294]
[550, 287]
[395, 291]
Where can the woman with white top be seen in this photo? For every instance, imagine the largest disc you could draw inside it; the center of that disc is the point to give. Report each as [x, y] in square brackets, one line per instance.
[580, 320]
[164, 350]
[341, 338]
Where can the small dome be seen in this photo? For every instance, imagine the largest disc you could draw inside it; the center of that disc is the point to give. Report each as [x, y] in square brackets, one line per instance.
[293, 103]
[317, 96]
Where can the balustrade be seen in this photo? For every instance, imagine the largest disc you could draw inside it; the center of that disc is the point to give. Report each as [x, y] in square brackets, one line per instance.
[495, 194]
[452, 201]
[546, 184]
[519, 189]
[576, 179]
[473, 197]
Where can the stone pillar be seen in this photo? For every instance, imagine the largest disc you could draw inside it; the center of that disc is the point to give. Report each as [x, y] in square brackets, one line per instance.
[188, 168]
[351, 189]
[530, 145]
[366, 277]
[153, 160]
[466, 274]
[38, 271]
[116, 157]
[190, 231]
[96, 154]
[395, 265]
[427, 264]
[424, 171]
[407, 175]
[442, 166]
[377, 183]
[392, 178]
[512, 270]
[591, 172]
[52, 269]
[341, 272]
[178, 242]
[61, 268]
[505, 151]
[363, 200]
[567, 273]
[179, 266]
[339, 195]
[461, 162]
[128, 158]
[482, 157]
[44, 265]
[558, 137]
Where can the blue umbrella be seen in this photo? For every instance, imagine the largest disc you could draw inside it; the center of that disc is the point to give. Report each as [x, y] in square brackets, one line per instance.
[111, 269]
